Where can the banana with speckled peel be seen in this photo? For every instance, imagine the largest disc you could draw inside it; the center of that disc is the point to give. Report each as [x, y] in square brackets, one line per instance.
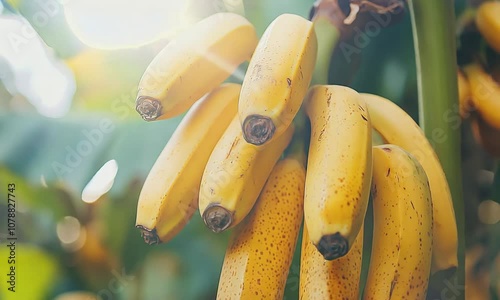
[398, 128]
[234, 176]
[277, 78]
[260, 253]
[194, 63]
[169, 196]
[400, 260]
[339, 168]
[338, 279]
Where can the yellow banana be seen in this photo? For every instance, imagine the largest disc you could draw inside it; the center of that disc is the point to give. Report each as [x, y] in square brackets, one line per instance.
[170, 193]
[235, 175]
[464, 99]
[277, 78]
[260, 253]
[337, 279]
[488, 23]
[485, 94]
[339, 168]
[193, 64]
[398, 128]
[400, 260]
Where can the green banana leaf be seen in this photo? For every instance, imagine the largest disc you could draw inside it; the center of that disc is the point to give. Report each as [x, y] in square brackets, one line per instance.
[71, 150]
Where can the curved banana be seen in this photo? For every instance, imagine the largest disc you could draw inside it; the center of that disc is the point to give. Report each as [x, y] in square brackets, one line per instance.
[234, 176]
[169, 196]
[400, 260]
[277, 78]
[488, 23]
[339, 168]
[485, 93]
[193, 64]
[464, 97]
[260, 253]
[337, 279]
[398, 128]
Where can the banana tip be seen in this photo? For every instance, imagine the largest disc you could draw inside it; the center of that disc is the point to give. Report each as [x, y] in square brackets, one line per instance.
[148, 108]
[258, 129]
[217, 218]
[149, 235]
[333, 246]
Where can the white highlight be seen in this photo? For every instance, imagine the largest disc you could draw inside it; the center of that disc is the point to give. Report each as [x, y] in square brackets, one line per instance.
[101, 183]
[114, 24]
[68, 230]
[489, 212]
[29, 68]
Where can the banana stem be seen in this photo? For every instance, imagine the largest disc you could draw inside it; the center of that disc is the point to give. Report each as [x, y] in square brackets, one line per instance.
[328, 36]
[433, 24]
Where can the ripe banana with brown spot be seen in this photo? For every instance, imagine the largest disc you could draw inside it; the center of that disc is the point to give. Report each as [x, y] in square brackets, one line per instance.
[195, 62]
[234, 176]
[339, 168]
[260, 252]
[398, 128]
[485, 93]
[400, 260]
[169, 196]
[277, 78]
[338, 279]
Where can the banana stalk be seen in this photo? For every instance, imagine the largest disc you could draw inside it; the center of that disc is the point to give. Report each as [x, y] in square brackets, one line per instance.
[435, 53]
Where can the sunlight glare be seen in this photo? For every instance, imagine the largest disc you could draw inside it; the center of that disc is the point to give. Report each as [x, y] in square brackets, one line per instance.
[101, 183]
[115, 24]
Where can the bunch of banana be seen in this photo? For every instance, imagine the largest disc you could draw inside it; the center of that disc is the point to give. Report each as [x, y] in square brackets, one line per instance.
[213, 161]
[479, 92]
[224, 159]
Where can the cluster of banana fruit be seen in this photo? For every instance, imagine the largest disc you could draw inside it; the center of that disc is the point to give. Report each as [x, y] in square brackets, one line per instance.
[479, 91]
[240, 156]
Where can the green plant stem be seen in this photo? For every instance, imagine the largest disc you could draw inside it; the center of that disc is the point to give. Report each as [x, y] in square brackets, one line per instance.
[433, 24]
[328, 36]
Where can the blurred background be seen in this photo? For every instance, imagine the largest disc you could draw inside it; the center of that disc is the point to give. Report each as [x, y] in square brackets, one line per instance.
[78, 153]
